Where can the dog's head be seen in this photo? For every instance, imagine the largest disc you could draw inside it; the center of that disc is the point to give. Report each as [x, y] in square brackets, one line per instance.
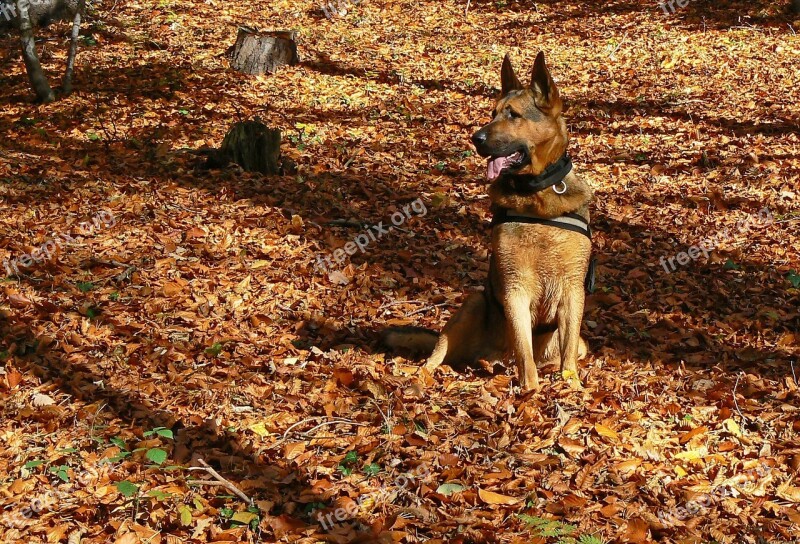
[527, 132]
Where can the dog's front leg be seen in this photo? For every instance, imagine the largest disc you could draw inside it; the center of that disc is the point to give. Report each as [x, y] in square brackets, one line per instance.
[569, 315]
[520, 334]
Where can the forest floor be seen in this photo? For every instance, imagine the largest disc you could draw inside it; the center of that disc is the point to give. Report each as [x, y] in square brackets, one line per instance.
[176, 314]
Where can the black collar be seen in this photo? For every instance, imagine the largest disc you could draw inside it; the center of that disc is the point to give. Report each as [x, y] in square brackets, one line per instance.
[527, 183]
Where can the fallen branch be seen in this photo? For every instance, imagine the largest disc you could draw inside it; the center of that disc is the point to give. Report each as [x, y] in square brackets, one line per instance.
[219, 480]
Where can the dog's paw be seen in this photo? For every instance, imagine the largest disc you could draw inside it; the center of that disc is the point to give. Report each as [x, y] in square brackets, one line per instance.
[531, 386]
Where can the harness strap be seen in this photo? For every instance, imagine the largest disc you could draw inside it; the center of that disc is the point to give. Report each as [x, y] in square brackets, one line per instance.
[568, 221]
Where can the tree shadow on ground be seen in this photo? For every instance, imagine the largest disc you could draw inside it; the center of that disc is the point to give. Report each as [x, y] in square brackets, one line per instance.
[697, 15]
[325, 65]
[257, 471]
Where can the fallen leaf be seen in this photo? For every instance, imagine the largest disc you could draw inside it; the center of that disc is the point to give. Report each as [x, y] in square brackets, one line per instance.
[490, 497]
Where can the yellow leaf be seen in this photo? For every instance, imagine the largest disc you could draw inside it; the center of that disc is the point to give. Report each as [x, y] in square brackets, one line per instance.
[732, 427]
[489, 497]
[691, 455]
[260, 263]
[260, 429]
[186, 514]
[669, 63]
[608, 432]
[680, 471]
[244, 517]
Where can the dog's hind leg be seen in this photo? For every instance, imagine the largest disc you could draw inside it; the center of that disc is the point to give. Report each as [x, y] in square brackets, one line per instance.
[545, 347]
[547, 350]
[463, 338]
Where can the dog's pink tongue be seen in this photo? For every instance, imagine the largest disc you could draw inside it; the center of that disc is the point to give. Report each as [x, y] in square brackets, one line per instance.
[496, 166]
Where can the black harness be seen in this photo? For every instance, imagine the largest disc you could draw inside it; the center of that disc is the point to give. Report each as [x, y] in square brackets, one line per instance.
[526, 184]
[568, 221]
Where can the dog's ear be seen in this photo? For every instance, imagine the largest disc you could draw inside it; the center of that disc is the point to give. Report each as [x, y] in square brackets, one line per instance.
[542, 81]
[508, 77]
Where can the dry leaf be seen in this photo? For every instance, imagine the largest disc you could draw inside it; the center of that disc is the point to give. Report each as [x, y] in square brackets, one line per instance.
[489, 497]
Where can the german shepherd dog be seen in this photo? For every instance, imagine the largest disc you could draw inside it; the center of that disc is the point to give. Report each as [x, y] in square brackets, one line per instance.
[532, 302]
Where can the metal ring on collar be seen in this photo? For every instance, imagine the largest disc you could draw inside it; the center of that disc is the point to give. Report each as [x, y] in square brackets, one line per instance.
[563, 190]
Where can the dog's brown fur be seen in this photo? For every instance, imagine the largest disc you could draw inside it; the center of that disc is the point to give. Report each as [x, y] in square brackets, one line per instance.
[532, 304]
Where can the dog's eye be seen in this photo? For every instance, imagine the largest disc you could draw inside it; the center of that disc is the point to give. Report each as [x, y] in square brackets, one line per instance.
[513, 114]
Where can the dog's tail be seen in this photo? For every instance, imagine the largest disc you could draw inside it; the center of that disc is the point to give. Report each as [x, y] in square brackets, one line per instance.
[414, 339]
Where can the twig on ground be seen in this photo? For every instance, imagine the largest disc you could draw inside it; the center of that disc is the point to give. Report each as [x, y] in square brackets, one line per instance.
[385, 416]
[399, 302]
[222, 481]
[205, 482]
[344, 223]
[611, 55]
[334, 421]
[326, 423]
[735, 402]
[747, 27]
[426, 308]
[125, 275]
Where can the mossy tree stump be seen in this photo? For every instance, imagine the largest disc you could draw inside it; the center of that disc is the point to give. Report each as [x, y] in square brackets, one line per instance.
[258, 51]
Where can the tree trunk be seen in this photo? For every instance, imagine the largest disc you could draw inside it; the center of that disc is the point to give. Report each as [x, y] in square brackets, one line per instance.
[73, 48]
[35, 73]
[257, 52]
[251, 145]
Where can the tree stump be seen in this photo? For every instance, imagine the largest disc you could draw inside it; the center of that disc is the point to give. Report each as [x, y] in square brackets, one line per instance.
[257, 52]
[251, 145]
